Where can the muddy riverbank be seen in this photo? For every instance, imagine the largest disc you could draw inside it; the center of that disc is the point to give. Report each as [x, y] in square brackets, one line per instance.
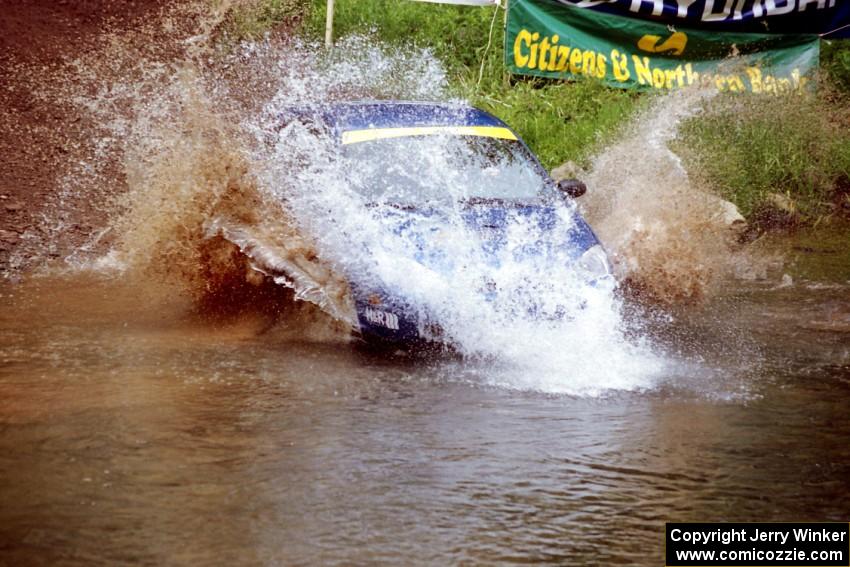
[42, 131]
[74, 75]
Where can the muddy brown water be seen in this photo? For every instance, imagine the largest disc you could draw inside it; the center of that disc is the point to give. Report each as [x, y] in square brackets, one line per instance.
[133, 432]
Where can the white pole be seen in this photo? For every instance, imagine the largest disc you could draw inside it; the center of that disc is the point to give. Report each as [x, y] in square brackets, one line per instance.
[329, 25]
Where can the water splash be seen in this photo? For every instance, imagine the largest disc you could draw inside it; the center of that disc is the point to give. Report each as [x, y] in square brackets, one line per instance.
[219, 197]
[669, 239]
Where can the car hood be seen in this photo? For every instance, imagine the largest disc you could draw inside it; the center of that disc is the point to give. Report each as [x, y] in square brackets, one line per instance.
[490, 232]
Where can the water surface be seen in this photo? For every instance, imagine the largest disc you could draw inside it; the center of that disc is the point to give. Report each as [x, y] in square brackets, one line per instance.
[135, 431]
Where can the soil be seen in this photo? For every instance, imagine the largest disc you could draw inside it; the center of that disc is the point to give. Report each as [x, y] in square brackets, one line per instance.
[39, 134]
[52, 54]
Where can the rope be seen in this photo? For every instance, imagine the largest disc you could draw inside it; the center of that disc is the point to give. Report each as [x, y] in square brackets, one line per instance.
[835, 30]
[489, 43]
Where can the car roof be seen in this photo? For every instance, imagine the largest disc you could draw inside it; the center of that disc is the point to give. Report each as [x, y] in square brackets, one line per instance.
[343, 116]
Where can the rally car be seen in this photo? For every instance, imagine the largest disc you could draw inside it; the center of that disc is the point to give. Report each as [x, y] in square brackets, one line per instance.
[492, 179]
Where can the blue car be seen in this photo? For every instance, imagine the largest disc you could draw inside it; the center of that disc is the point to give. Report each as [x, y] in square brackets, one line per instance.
[422, 166]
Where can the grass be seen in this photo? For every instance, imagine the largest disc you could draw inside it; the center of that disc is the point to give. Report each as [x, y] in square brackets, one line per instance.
[763, 152]
[835, 61]
[781, 158]
[457, 34]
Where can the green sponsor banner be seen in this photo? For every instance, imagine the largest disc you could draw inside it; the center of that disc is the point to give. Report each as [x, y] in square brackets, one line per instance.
[548, 39]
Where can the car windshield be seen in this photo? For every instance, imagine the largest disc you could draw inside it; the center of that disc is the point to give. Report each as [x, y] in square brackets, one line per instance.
[419, 170]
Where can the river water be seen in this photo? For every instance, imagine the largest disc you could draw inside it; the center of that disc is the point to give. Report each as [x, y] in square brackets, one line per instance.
[134, 430]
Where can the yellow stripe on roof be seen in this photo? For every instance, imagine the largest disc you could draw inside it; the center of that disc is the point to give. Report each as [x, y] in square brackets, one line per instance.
[357, 136]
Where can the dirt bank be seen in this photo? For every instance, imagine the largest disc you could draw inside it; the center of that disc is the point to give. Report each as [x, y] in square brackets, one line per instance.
[60, 165]
[39, 131]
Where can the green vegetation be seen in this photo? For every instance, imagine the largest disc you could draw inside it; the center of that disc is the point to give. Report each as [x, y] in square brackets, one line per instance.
[767, 154]
[759, 152]
[784, 159]
[835, 61]
[457, 34]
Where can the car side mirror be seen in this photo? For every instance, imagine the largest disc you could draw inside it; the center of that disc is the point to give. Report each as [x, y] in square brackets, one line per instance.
[572, 188]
